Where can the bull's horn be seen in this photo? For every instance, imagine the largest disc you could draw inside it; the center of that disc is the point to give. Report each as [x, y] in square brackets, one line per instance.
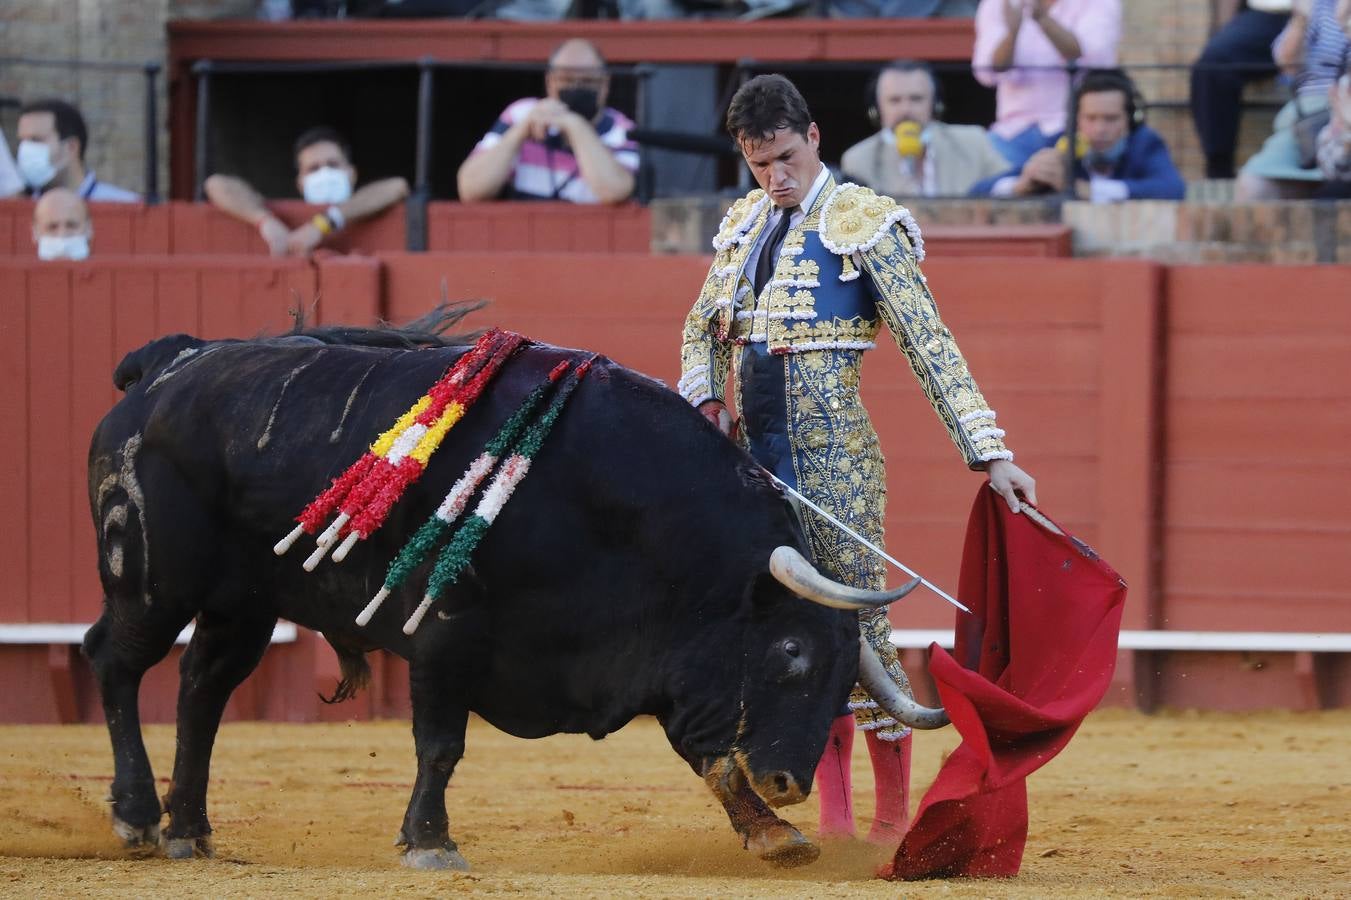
[875, 680]
[794, 572]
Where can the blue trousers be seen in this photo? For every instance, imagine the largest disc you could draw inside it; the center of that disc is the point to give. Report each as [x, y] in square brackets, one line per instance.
[1217, 93]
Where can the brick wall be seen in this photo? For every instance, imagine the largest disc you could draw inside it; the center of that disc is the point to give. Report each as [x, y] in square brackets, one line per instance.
[1173, 32]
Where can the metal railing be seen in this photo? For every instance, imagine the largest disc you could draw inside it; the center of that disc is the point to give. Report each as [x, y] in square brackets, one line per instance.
[416, 207]
[150, 71]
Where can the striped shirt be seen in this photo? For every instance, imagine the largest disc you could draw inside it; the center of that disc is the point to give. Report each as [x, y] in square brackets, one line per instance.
[548, 171]
[1325, 50]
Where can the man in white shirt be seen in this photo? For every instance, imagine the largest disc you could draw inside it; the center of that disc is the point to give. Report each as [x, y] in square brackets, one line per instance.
[53, 138]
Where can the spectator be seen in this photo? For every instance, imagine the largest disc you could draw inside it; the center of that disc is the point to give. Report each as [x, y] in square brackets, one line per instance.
[914, 154]
[52, 143]
[10, 182]
[1286, 167]
[61, 227]
[325, 177]
[1334, 142]
[1238, 53]
[565, 146]
[1020, 48]
[1117, 157]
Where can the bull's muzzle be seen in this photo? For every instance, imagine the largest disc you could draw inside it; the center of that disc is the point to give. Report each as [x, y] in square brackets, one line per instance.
[778, 789]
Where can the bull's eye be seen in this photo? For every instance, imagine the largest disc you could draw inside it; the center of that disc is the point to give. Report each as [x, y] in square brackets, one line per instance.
[792, 649]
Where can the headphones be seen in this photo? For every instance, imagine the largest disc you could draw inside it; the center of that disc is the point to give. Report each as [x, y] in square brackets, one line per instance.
[902, 65]
[1096, 81]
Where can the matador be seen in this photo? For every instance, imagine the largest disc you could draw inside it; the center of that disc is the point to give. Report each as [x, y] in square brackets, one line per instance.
[805, 272]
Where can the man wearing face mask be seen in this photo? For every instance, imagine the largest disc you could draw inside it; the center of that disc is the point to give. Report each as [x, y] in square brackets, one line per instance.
[325, 177]
[61, 227]
[913, 154]
[565, 146]
[1117, 156]
[53, 138]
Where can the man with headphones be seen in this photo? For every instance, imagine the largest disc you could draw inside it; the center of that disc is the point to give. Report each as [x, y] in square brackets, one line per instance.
[913, 154]
[1116, 155]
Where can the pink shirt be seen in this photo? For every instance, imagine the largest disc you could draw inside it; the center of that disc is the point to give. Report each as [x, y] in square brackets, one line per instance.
[1039, 97]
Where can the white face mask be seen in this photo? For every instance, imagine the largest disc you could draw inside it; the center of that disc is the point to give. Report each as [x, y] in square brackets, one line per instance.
[326, 186]
[34, 161]
[70, 246]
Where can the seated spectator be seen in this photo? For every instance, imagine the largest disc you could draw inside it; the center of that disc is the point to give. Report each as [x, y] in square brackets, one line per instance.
[52, 143]
[1334, 141]
[325, 177]
[1021, 48]
[61, 226]
[10, 182]
[913, 154]
[566, 146]
[1286, 167]
[1117, 156]
[1238, 53]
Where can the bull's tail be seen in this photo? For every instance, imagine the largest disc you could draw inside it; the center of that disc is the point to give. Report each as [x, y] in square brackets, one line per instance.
[356, 673]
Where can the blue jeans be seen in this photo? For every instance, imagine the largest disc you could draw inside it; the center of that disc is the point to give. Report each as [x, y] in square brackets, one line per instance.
[1021, 146]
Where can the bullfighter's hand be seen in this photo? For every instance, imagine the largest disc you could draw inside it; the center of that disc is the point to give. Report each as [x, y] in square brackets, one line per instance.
[275, 234]
[1008, 480]
[303, 240]
[717, 414]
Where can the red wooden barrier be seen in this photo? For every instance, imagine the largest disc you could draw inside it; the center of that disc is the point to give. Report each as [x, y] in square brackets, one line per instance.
[65, 327]
[1032, 331]
[119, 228]
[1176, 418]
[181, 228]
[541, 227]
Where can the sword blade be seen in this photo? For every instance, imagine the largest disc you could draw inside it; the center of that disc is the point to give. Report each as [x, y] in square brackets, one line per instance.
[869, 544]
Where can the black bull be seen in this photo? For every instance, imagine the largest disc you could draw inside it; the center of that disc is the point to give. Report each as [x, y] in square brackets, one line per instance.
[628, 575]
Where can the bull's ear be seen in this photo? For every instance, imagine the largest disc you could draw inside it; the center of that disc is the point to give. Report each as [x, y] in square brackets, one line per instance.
[154, 356]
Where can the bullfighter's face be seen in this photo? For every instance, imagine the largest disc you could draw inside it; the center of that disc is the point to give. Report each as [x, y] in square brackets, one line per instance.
[785, 164]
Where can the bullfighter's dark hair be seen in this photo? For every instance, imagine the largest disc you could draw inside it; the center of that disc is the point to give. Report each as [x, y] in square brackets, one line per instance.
[317, 135]
[69, 122]
[765, 104]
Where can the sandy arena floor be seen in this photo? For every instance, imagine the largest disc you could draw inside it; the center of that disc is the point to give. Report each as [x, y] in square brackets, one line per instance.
[1176, 805]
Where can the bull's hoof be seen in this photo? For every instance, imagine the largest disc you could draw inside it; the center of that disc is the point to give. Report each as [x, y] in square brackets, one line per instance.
[188, 848]
[435, 859]
[136, 837]
[783, 845]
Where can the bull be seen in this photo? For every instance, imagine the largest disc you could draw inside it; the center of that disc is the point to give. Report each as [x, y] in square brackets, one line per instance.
[646, 567]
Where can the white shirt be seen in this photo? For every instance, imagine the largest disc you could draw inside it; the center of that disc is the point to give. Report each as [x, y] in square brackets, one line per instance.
[753, 257]
[10, 182]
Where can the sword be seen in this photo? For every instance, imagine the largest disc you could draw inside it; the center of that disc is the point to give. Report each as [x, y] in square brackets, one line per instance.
[869, 544]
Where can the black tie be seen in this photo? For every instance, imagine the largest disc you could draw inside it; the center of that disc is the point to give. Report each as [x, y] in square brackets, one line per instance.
[769, 254]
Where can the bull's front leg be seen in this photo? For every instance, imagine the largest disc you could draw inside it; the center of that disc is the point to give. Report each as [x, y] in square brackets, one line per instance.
[222, 653]
[439, 720]
[762, 832]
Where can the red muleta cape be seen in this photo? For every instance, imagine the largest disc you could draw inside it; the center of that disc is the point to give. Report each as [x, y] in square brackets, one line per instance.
[1033, 660]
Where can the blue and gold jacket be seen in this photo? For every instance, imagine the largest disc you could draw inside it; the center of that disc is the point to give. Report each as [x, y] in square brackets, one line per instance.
[851, 263]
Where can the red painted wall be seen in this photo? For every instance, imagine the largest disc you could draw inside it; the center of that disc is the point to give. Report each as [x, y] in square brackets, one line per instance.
[1184, 420]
